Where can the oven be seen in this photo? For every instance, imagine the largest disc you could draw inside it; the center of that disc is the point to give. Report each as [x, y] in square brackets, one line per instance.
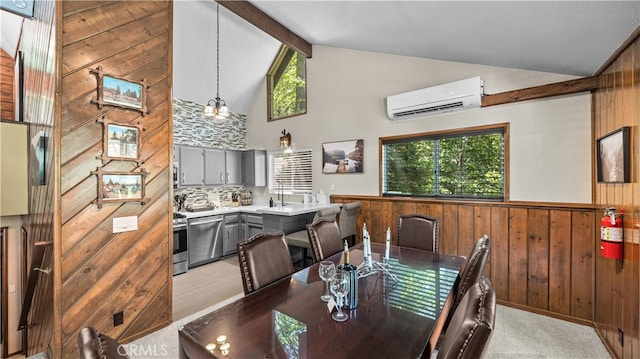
[180, 253]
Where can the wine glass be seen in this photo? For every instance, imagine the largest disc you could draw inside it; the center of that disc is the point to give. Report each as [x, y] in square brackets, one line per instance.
[326, 270]
[340, 287]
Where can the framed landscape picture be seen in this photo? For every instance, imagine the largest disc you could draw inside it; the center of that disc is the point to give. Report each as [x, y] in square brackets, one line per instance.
[114, 187]
[120, 141]
[613, 162]
[343, 156]
[120, 92]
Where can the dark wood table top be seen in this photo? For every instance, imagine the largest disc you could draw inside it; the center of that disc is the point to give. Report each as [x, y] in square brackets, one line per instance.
[288, 320]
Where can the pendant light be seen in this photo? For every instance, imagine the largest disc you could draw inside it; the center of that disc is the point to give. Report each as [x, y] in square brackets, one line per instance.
[219, 108]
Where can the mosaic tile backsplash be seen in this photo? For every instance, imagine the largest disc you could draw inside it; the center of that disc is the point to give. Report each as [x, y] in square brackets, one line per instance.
[190, 127]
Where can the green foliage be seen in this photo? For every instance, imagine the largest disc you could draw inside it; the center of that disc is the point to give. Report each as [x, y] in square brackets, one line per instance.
[288, 95]
[469, 166]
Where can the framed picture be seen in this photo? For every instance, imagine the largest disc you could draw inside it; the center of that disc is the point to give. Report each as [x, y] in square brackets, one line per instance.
[614, 157]
[120, 141]
[116, 187]
[117, 91]
[21, 7]
[343, 157]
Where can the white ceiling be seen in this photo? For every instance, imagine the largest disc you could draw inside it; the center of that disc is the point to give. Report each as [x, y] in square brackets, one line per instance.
[567, 37]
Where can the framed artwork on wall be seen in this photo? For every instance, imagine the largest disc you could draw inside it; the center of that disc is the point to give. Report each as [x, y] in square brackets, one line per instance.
[120, 92]
[120, 141]
[120, 186]
[343, 156]
[22, 7]
[613, 162]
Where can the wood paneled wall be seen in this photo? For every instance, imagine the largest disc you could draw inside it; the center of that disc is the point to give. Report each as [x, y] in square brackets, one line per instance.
[101, 273]
[541, 258]
[7, 65]
[617, 104]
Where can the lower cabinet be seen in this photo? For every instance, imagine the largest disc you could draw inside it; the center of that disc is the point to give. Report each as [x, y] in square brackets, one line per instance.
[250, 225]
[231, 234]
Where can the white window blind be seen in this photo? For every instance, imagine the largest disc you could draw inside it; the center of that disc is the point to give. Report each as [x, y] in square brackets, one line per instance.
[290, 172]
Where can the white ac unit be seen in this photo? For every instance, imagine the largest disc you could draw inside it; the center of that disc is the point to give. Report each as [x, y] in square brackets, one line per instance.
[452, 96]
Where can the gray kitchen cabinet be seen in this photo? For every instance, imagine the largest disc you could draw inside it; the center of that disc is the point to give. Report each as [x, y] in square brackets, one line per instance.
[204, 239]
[255, 168]
[233, 166]
[250, 225]
[190, 166]
[214, 167]
[231, 234]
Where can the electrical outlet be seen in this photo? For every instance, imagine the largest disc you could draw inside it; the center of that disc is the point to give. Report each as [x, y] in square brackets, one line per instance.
[12, 288]
[118, 318]
[621, 337]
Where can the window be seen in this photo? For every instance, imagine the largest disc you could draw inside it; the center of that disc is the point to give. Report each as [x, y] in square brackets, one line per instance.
[465, 164]
[290, 172]
[287, 85]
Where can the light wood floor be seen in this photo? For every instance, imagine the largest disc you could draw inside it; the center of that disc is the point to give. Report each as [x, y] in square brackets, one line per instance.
[204, 286]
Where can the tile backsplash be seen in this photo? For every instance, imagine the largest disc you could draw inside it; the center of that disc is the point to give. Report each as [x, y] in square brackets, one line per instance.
[190, 127]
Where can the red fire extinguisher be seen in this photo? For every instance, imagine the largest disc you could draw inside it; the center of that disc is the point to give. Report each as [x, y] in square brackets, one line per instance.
[611, 242]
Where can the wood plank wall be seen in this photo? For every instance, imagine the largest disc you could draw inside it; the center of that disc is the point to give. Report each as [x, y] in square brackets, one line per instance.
[7, 65]
[617, 104]
[102, 273]
[541, 258]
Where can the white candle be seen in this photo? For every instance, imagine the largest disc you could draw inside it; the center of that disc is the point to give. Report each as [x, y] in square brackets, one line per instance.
[388, 244]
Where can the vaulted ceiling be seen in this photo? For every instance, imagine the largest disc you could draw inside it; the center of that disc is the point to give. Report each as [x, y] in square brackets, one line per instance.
[567, 37]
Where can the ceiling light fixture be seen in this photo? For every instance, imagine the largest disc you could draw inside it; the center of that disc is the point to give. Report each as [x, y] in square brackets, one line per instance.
[219, 109]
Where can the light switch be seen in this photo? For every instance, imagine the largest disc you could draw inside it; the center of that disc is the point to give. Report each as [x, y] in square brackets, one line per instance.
[124, 224]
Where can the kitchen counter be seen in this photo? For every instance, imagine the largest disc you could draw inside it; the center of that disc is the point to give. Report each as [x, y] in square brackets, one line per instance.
[290, 209]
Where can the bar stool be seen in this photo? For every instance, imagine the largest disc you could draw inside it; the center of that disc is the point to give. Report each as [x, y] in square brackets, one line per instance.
[347, 221]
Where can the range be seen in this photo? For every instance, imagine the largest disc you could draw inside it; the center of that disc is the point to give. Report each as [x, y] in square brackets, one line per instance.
[180, 253]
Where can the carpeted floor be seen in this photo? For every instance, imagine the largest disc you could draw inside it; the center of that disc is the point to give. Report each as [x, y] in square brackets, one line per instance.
[518, 335]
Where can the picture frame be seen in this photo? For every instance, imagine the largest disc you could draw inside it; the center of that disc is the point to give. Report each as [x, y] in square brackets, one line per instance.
[343, 156]
[120, 92]
[613, 156]
[120, 141]
[120, 186]
[23, 7]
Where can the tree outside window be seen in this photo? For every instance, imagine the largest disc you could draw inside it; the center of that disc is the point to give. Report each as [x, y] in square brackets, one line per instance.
[287, 85]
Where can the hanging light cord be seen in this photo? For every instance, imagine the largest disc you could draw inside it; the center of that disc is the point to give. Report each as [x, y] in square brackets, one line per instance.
[218, 52]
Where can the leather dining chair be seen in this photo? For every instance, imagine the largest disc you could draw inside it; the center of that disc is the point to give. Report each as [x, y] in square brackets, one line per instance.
[418, 231]
[263, 258]
[473, 268]
[472, 324]
[325, 239]
[300, 239]
[347, 221]
[94, 345]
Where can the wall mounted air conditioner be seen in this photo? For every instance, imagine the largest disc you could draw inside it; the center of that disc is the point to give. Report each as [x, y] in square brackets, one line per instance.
[452, 96]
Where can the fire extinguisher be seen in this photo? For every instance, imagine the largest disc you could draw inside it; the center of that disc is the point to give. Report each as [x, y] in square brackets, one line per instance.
[611, 242]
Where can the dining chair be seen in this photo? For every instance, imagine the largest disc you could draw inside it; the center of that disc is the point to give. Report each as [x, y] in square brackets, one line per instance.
[325, 239]
[473, 268]
[347, 221]
[264, 258]
[472, 324]
[92, 344]
[300, 239]
[418, 231]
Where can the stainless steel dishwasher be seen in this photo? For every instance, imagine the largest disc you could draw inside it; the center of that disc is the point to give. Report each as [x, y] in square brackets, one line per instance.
[205, 240]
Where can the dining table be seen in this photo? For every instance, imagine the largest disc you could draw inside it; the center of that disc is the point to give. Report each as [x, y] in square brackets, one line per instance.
[401, 299]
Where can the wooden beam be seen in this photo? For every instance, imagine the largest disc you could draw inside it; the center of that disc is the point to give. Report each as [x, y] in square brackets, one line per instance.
[531, 93]
[264, 22]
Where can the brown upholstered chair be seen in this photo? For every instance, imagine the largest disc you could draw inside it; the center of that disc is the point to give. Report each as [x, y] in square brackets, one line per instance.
[94, 345]
[325, 239]
[264, 258]
[418, 231]
[347, 221]
[472, 324]
[473, 268]
[300, 239]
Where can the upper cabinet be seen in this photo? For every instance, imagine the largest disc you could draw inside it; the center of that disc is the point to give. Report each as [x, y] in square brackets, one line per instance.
[199, 166]
[255, 168]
